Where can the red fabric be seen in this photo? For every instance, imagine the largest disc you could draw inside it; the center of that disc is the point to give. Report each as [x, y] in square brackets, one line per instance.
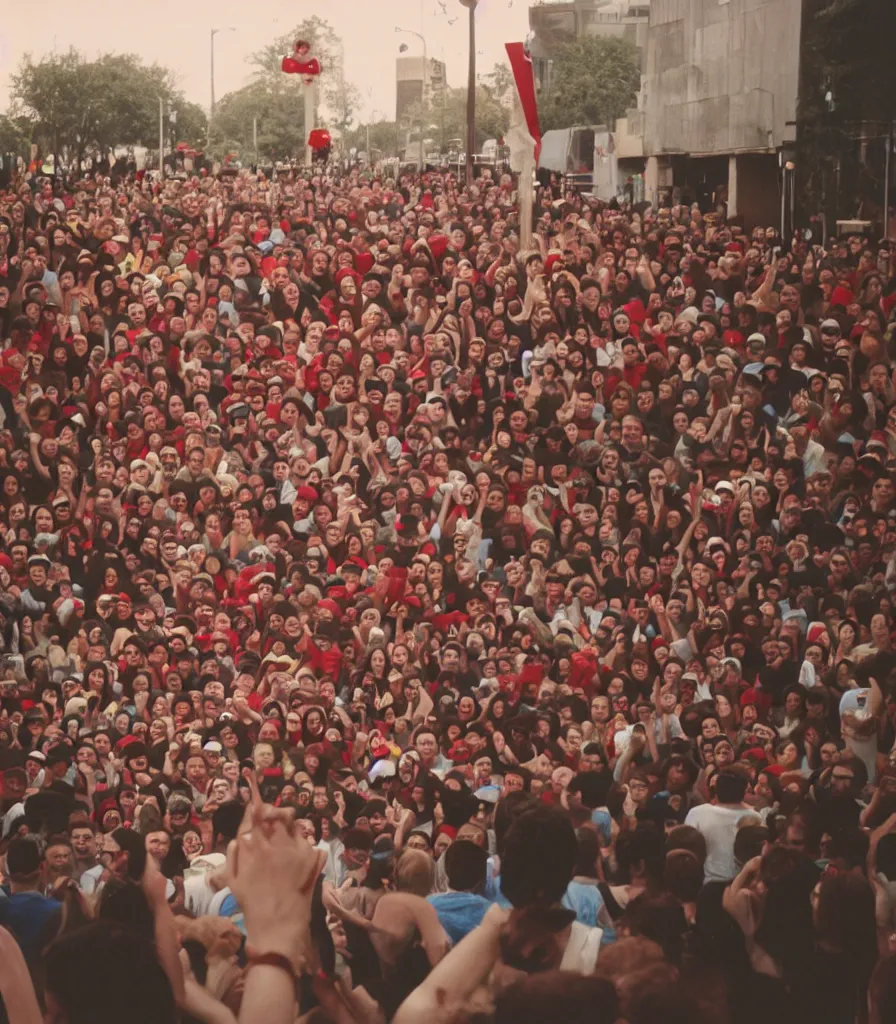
[521, 66]
[319, 138]
[310, 67]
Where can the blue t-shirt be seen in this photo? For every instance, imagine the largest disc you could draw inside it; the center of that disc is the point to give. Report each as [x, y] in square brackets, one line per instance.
[459, 912]
[587, 902]
[26, 915]
[230, 908]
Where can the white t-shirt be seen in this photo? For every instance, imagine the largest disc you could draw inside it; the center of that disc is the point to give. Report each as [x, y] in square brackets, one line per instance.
[582, 949]
[718, 825]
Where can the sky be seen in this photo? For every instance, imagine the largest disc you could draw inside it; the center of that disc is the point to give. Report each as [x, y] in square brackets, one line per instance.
[176, 33]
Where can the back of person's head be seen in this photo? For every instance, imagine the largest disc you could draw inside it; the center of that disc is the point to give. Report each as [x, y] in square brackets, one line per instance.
[849, 847]
[683, 875]
[103, 974]
[718, 940]
[594, 787]
[465, 866]
[508, 810]
[628, 954]
[661, 918]
[686, 837]
[557, 996]
[731, 786]
[539, 857]
[845, 918]
[134, 845]
[123, 902]
[641, 852]
[226, 821]
[656, 996]
[357, 839]
[786, 931]
[749, 841]
[23, 859]
[588, 852]
[414, 872]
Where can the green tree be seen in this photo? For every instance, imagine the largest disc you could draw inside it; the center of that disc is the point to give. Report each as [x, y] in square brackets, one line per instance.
[277, 100]
[14, 135]
[192, 123]
[278, 109]
[445, 117]
[593, 81]
[499, 82]
[383, 137]
[847, 98]
[75, 107]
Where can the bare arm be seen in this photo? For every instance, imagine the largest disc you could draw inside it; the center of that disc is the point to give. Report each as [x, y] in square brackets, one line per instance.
[459, 974]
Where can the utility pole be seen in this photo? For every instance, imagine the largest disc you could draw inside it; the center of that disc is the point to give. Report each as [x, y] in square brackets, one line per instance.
[471, 89]
[255, 137]
[162, 138]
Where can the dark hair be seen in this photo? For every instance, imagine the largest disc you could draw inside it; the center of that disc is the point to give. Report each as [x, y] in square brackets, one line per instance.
[683, 874]
[557, 995]
[226, 820]
[539, 857]
[731, 787]
[588, 852]
[133, 844]
[123, 903]
[594, 787]
[749, 841]
[786, 931]
[465, 866]
[102, 971]
[846, 920]
[509, 809]
[660, 918]
[644, 848]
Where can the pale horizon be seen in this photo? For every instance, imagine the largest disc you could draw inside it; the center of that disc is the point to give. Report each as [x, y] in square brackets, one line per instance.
[177, 36]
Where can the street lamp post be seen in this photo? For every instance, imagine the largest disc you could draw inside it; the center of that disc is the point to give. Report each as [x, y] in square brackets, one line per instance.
[411, 32]
[211, 109]
[161, 138]
[471, 88]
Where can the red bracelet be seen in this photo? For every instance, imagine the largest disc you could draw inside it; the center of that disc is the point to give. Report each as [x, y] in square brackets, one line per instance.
[254, 959]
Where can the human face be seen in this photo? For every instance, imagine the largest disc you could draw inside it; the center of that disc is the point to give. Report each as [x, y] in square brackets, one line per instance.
[84, 844]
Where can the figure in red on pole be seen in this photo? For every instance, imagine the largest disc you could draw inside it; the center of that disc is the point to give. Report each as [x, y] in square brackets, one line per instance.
[302, 63]
[320, 142]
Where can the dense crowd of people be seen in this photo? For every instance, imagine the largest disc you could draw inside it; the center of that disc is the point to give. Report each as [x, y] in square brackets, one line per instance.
[402, 618]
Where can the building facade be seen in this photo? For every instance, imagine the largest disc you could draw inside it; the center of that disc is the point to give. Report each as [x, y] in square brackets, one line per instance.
[719, 98]
[417, 79]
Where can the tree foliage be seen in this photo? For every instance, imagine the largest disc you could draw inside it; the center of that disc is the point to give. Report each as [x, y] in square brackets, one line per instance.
[74, 106]
[446, 121]
[499, 82]
[593, 81]
[847, 96]
[383, 138]
[277, 100]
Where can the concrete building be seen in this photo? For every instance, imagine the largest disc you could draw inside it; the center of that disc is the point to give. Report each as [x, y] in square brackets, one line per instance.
[417, 79]
[719, 97]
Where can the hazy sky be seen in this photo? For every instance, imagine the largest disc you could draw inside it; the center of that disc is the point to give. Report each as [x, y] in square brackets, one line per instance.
[176, 33]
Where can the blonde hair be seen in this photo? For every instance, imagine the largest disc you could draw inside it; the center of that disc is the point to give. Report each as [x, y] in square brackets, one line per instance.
[414, 873]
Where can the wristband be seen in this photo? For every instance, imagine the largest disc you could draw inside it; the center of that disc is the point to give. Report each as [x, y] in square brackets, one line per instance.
[278, 960]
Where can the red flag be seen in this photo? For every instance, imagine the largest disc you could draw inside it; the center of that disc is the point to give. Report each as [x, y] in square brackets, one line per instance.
[523, 77]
